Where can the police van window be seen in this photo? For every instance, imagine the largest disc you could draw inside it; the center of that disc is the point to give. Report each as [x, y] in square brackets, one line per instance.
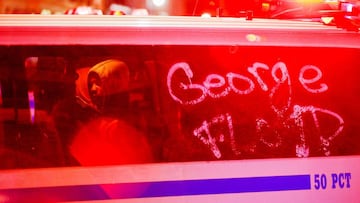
[110, 105]
[261, 102]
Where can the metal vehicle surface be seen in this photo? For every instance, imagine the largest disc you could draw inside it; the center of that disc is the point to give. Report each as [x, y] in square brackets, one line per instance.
[216, 109]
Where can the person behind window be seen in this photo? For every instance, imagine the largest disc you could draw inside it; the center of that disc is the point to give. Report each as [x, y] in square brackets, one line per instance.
[110, 139]
[71, 113]
[108, 84]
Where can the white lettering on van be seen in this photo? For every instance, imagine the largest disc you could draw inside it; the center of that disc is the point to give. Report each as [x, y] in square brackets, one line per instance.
[290, 116]
[231, 84]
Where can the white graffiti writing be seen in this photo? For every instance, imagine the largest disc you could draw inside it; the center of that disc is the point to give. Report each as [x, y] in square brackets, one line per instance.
[305, 82]
[213, 81]
[205, 135]
[263, 129]
[314, 111]
[291, 116]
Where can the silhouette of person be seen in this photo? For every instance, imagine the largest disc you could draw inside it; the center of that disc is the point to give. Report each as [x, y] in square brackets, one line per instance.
[70, 113]
[110, 139]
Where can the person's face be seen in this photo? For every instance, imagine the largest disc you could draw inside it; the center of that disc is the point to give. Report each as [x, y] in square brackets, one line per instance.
[95, 89]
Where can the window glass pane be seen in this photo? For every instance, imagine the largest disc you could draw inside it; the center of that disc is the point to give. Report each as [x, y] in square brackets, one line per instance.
[109, 105]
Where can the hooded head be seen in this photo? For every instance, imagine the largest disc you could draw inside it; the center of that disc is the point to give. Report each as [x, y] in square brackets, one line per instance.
[82, 91]
[108, 84]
